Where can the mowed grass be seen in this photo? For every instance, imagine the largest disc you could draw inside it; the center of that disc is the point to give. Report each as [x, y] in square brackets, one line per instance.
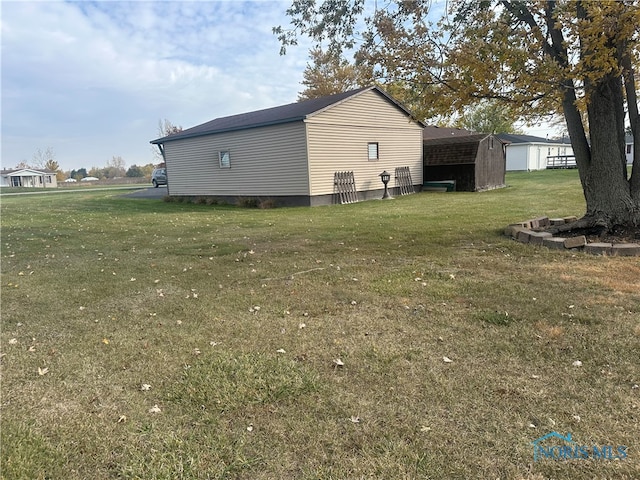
[153, 340]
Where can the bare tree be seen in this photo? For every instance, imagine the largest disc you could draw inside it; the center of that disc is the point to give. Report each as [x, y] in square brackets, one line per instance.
[41, 158]
[165, 128]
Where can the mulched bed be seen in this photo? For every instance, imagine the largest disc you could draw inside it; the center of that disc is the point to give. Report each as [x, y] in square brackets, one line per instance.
[617, 235]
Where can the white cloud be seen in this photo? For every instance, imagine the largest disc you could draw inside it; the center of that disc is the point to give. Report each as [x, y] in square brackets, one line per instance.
[92, 79]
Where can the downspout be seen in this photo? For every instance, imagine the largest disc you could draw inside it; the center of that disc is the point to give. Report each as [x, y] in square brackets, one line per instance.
[164, 159]
[160, 147]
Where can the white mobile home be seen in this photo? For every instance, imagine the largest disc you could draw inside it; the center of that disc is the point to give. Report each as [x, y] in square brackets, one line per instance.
[28, 177]
[292, 153]
[527, 152]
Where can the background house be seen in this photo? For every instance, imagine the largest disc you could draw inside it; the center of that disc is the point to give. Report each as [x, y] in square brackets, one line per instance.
[292, 153]
[475, 162]
[629, 149]
[28, 177]
[527, 152]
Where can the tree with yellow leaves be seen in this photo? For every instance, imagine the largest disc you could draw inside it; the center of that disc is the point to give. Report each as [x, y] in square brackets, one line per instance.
[539, 57]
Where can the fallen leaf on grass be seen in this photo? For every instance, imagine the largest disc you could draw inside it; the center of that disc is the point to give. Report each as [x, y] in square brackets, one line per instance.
[424, 428]
[13, 341]
[32, 348]
[281, 350]
[122, 419]
[577, 363]
[105, 341]
[447, 360]
[42, 371]
[155, 409]
[338, 363]
[355, 419]
[145, 387]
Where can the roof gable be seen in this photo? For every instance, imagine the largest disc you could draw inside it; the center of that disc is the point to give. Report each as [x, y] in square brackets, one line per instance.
[26, 171]
[273, 116]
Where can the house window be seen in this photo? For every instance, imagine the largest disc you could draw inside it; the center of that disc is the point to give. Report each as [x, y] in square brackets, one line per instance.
[629, 149]
[491, 142]
[372, 149]
[225, 158]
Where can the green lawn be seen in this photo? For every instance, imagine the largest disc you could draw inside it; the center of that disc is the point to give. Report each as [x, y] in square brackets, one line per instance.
[154, 340]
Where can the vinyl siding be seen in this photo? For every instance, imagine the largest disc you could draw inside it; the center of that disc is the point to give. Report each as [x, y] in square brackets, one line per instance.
[338, 137]
[265, 161]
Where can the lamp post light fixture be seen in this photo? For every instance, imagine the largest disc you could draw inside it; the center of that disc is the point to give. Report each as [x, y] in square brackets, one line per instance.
[386, 176]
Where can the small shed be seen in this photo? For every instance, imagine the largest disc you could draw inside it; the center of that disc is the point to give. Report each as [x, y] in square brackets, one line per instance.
[304, 153]
[475, 162]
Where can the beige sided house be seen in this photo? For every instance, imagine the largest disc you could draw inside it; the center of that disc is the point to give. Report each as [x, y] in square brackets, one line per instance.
[28, 177]
[294, 153]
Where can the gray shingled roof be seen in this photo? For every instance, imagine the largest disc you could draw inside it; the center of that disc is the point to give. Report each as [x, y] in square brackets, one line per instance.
[431, 131]
[512, 138]
[272, 116]
[456, 139]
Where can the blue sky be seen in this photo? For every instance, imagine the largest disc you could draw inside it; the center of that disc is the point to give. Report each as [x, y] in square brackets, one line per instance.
[91, 80]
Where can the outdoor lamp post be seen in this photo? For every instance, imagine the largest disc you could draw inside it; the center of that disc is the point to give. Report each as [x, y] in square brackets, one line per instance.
[385, 176]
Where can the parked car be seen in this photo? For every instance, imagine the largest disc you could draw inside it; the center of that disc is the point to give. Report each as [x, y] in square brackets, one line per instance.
[159, 177]
[89, 179]
[70, 180]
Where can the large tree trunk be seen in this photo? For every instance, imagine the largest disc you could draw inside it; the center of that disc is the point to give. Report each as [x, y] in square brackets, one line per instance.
[612, 198]
[602, 165]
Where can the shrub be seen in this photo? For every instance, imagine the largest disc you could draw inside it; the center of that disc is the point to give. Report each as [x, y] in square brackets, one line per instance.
[268, 203]
[247, 202]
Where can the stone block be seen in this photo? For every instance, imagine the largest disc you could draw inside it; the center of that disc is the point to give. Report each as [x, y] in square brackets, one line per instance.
[557, 221]
[575, 242]
[524, 236]
[540, 222]
[598, 248]
[570, 219]
[626, 250]
[553, 242]
[537, 238]
[513, 229]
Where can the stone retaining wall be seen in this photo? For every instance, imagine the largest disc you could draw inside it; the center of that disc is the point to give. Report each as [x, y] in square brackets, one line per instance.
[533, 232]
